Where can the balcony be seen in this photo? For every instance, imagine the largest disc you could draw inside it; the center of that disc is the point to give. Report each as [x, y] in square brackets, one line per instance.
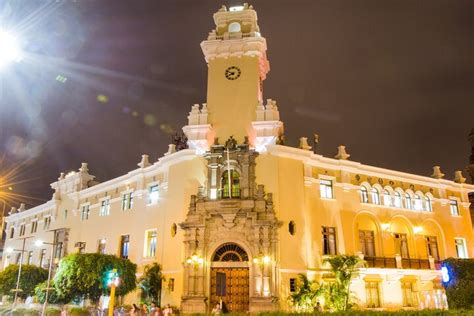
[408, 263]
[381, 262]
[402, 263]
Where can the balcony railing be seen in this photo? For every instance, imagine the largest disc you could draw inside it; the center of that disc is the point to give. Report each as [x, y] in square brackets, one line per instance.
[409, 263]
[380, 262]
[403, 263]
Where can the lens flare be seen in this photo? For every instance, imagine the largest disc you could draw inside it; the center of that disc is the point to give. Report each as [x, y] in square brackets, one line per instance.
[9, 48]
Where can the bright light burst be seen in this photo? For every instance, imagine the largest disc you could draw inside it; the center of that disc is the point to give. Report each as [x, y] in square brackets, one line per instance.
[9, 48]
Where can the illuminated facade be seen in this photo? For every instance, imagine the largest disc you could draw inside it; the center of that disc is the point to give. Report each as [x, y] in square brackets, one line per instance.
[238, 215]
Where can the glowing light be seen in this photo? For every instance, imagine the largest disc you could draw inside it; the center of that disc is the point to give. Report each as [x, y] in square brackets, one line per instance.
[445, 274]
[9, 250]
[102, 98]
[236, 8]
[417, 229]
[266, 259]
[9, 48]
[385, 226]
[61, 79]
[38, 243]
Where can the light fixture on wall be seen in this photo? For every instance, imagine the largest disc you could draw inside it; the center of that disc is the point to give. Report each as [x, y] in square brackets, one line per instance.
[417, 229]
[385, 226]
[262, 259]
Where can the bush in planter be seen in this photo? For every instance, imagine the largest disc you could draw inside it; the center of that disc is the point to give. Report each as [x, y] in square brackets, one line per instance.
[460, 287]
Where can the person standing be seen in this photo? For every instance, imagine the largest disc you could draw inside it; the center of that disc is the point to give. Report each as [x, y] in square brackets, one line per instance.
[168, 311]
[135, 311]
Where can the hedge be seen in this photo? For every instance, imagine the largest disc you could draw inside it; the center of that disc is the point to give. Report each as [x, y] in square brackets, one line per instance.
[460, 287]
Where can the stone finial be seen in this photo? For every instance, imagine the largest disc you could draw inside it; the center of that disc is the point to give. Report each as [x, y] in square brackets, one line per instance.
[341, 153]
[458, 177]
[145, 162]
[171, 149]
[304, 143]
[62, 176]
[22, 207]
[84, 168]
[437, 174]
[12, 211]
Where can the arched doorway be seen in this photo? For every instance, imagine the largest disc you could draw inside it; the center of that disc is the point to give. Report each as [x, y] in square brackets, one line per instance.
[230, 278]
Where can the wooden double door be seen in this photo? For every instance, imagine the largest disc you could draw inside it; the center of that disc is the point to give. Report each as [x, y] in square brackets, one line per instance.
[232, 286]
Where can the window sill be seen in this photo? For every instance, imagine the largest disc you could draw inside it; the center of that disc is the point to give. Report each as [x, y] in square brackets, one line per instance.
[327, 199]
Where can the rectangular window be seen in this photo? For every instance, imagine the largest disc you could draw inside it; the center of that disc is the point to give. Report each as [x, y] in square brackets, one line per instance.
[30, 257]
[372, 293]
[58, 253]
[124, 245]
[292, 285]
[47, 223]
[367, 242]
[401, 245]
[461, 248]
[34, 226]
[329, 240]
[85, 212]
[171, 285]
[453, 206]
[65, 212]
[22, 229]
[42, 257]
[18, 258]
[408, 294]
[150, 243]
[153, 194]
[12, 232]
[432, 246]
[127, 201]
[101, 245]
[325, 186]
[104, 207]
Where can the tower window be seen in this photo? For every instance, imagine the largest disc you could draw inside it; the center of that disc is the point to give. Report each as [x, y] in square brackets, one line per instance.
[375, 196]
[397, 200]
[232, 190]
[453, 206]
[234, 27]
[364, 195]
[104, 208]
[408, 204]
[153, 194]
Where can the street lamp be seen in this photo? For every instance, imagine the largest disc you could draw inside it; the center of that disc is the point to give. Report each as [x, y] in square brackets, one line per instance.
[9, 48]
[39, 243]
[21, 251]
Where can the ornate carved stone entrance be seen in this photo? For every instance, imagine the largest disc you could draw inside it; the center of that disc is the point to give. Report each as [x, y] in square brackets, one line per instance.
[230, 278]
[231, 236]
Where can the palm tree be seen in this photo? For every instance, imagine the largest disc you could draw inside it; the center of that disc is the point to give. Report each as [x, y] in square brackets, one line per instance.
[305, 297]
[343, 267]
[150, 283]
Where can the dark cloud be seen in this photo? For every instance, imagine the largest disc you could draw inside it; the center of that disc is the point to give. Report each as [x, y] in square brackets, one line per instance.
[392, 80]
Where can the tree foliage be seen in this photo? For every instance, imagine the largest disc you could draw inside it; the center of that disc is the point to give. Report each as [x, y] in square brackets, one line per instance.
[460, 287]
[54, 297]
[151, 283]
[82, 276]
[337, 292]
[305, 297]
[30, 276]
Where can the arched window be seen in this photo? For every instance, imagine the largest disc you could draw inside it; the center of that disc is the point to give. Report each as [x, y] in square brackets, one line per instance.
[418, 203]
[375, 196]
[397, 199]
[232, 190]
[387, 199]
[408, 204]
[230, 252]
[428, 205]
[291, 228]
[364, 195]
[234, 27]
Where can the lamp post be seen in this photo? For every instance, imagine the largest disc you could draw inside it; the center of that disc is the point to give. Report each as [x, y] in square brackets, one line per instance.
[261, 260]
[17, 288]
[195, 260]
[39, 243]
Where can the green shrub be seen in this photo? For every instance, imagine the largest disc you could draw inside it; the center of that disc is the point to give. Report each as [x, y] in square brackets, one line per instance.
[78, 311]
[460, 288]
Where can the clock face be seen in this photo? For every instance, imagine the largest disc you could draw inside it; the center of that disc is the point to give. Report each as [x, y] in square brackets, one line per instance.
[232, 73]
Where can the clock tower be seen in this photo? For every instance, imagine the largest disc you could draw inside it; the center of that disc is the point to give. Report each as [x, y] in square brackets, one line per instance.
[235, 53]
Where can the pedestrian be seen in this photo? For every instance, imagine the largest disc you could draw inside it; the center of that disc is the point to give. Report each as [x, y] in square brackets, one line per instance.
[217, 309]
[144, 309]
[168, 311]
[135, 311]
[318, 307]
[155, 310]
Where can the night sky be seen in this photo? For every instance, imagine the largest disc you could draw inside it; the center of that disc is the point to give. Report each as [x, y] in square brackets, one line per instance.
[105, 81]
